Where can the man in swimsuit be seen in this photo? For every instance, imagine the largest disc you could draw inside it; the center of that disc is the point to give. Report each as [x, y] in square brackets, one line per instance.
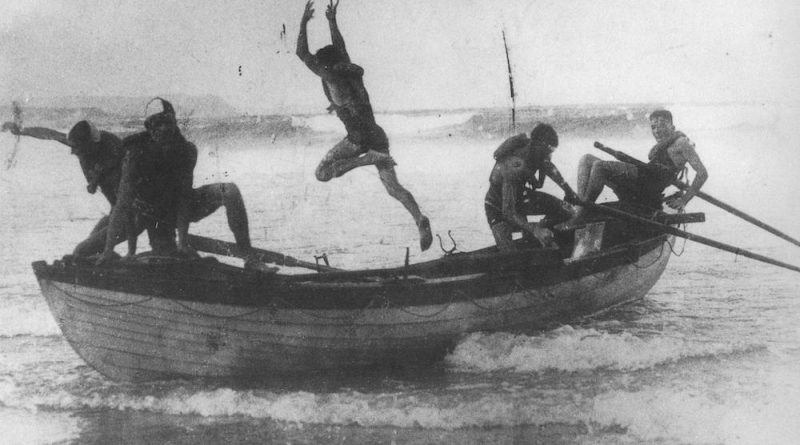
[100, 156]
[644, 186]
[513, 188]
[155, 192]
[366, 143]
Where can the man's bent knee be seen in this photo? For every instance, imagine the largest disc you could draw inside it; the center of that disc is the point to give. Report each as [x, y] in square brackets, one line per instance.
[230, 190]
[603, 168]
[588, 160]
[324, 173]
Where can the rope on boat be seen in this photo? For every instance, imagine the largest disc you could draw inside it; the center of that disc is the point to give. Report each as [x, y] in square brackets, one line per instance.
[93, 303]
[446, 306]
[425, 315]
[504, 306]
[671, 248]
[683, 247]
[146, 299]
[352, 316]
[226, 317]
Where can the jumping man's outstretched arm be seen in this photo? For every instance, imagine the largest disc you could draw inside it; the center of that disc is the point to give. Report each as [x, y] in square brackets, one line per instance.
[36, 132]
[336, 36]
[302, 41]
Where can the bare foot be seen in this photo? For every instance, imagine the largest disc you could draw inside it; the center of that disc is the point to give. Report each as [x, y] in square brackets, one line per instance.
[425, 235]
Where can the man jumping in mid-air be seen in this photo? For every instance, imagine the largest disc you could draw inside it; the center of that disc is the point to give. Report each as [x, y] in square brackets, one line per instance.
[366, 143]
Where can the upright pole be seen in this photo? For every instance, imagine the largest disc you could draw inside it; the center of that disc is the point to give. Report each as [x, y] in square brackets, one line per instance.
[510, 86]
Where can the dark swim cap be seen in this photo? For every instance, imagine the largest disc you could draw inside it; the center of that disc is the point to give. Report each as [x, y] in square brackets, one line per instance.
[661, 113]
[544, 133]
[328, 55]
[83, 132]
[167, 114]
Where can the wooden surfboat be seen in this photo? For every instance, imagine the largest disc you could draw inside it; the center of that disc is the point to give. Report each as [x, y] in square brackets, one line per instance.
[203, 318]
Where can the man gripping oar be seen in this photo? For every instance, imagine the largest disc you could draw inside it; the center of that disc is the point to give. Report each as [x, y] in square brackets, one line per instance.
[643, 185]
[704, 196]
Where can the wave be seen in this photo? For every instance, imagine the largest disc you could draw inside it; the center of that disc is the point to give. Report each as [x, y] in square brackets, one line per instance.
[574, 120]
[490, 123]
[247, 127]
[395, 124]
[657, 414]
[569, 349]
[404, 410]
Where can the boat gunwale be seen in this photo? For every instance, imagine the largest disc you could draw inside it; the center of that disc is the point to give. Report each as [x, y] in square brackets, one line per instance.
[328, 291]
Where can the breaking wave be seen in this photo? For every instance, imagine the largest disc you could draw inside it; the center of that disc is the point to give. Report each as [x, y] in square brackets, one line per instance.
[401, 409]
[652, 414]
[575, 120]
[569, 349]
[578, 121]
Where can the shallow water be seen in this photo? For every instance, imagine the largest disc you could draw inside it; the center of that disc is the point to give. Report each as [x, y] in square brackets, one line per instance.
[711, 355]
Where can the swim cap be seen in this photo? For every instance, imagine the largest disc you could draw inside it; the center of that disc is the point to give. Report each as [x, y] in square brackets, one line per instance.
[83, 132]
[544, 133]
[167, 113]
[661, 113]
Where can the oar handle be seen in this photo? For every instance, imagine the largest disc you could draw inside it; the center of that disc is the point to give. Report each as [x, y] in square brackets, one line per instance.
[619, 155]
[220, 247]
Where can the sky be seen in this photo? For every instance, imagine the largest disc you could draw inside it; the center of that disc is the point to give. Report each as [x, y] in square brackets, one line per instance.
[417, 54]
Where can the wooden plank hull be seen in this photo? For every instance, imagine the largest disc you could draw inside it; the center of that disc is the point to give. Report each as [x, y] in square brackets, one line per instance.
[141, 333]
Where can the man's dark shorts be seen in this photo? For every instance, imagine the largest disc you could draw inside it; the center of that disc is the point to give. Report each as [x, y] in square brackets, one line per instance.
[371, 139]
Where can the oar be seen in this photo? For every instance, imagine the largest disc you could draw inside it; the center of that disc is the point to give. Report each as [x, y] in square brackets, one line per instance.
[680, 233]
[220, 247]
[631, 160]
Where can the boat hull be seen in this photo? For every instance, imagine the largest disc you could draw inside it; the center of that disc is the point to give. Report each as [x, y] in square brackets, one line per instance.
[141, 333]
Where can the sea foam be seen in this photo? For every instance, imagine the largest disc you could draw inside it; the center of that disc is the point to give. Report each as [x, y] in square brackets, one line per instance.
[404, 410]
[575, 349]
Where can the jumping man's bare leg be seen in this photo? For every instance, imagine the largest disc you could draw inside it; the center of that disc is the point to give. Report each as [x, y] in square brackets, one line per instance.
[346, 156]
[389, 179]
